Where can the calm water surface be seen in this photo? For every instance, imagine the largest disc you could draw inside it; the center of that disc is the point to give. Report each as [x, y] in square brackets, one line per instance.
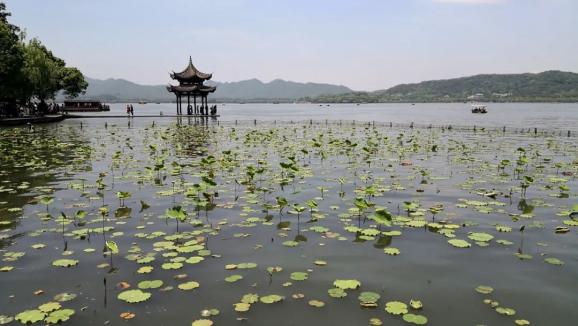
[519, 115]
[83, 167]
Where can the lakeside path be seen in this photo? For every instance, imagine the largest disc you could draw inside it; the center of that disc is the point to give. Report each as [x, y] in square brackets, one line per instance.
[58, 118]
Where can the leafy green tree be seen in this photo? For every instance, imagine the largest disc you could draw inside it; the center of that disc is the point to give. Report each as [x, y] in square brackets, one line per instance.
[11, 59]
[30, 70]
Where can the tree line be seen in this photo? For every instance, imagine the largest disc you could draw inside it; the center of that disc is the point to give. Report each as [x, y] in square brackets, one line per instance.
[30, 72]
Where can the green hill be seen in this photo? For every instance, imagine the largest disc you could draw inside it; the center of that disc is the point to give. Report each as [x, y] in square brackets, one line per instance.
[549, 86]
[251, 90]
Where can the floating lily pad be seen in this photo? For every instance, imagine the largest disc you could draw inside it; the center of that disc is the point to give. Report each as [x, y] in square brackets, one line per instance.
[233, 278]
[273, 298]
[554, 261]
[30, 316]
[483, 289]
[480, 236]
[415, 304]
[299, 276]
[250, 298]
[337, 293]
[368, 297]
[154, 284]
[396, 308]
[65, 262]
[134, 296]
[242, 307]
[506, 311]
[391, 251]
[347, 284]
[316, 303]
[189, 285]
[59, 316]
[415, 319]
[49, 306]
[202, 322]
[459, 243]
[5, 319]
[64, 297]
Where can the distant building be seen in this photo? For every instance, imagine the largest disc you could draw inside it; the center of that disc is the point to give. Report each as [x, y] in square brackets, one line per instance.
[476, 96]
[501, 94]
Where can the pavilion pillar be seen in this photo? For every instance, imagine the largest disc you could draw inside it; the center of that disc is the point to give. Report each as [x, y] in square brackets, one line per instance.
[189, 111]
[195, 103]
[205, 106]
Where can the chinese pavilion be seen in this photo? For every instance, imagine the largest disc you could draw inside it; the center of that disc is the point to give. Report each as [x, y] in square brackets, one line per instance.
[191, 85]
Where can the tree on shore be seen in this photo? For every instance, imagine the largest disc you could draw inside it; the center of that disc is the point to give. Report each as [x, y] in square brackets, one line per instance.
[28, 70]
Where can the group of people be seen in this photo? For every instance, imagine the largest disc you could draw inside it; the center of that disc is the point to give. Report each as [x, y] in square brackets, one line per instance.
[129, 110]
[205, 110]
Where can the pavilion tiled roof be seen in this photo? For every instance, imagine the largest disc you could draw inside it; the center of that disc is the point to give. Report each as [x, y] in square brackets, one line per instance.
[190, 74]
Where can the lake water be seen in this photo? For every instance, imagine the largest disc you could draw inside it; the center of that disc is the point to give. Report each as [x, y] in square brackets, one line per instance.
[59, 205]
[549, 116]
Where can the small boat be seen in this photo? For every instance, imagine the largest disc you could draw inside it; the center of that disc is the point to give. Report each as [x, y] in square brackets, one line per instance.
[479, 108]
[142, 102]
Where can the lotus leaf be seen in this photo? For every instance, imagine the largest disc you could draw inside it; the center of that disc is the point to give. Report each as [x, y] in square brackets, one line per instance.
[273, 298]
[5, 319]
[396, 308]
[49, 306]
[505, 311]
[242, 307]
[299, 276]
[189, 285]
[30, 316]
[291, 243]
[459, 243]
[59, 316]
[415, 304]
[369, 297]
[134, 296]
[337, 293]
[202, 322]
[391, 251]
[484, 289]
[250, 298]
[415, 319]
[65, 262]
[172, 265]
[554, 261]
[316, 303]
[154, 284]
[246, 265]
[347, 284]
[63, 297]
[480, 236]
[233, 278]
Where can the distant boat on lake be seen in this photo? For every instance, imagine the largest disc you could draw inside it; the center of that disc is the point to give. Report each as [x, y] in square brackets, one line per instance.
[479, 108]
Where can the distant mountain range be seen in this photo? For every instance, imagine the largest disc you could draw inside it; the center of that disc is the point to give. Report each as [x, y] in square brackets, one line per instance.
[252, 90]
[549, 86]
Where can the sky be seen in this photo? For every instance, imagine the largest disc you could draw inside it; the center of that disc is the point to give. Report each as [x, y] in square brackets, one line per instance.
[362, 44]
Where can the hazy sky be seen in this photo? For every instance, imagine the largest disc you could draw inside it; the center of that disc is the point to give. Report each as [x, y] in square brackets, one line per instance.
[363, 44]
